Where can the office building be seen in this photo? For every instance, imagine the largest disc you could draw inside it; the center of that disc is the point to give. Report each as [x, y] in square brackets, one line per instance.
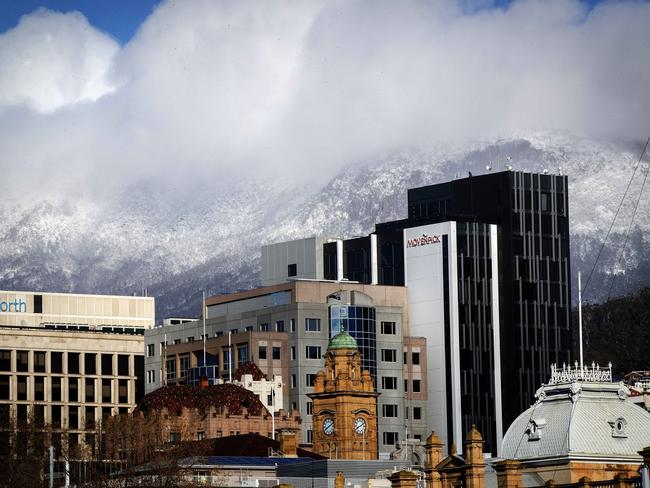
[285, 329]
[69, 360]
[486, 263]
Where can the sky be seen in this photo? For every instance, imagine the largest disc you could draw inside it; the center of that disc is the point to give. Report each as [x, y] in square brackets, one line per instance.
[96, 96]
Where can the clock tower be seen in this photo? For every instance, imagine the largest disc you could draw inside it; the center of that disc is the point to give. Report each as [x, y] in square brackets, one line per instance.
[344, 404]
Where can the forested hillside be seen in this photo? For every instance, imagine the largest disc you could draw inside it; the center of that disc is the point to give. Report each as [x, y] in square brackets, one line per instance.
[617, 330]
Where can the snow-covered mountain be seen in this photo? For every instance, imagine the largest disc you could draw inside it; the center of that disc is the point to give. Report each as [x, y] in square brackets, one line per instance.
[177, 243]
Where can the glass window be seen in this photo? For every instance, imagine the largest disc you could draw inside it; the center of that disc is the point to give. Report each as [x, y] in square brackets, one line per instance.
[276, 353]
[4, 387]
[415, 358]
[389, 382]
[312, 352]
[5, 360]
[151, 376]
[106, 391]
[123, 364]
[171, 369]
[55, 416]
[174, 437]
[39, 388]
[56, 362]
[123, 391]
[73, 389]
[391, 438]
[55, 388]
[184, 365]
[279, 326]
[73, 418]
[39, 361]
[90, 390]
[310, 408]
[312, 325]
[264, 327]
[261, 352]
[389, 355]
[249, 328]
[417, 413]
[107, 364]
[151, 350]
[292, 270]
[388, 328]
[293, 381]
[311, 379]
[416, 386]
[73, 363]
[242, 355]
[226, 359]
[293, 353]
[293, 325]
[90, 418]
[389, 410]
[22, 360]
[90, 363]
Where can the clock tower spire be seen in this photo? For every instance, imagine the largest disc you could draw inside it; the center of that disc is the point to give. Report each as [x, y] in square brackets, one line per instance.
[344, 404]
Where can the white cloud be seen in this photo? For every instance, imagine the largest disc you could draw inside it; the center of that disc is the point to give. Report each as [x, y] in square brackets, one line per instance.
[207, 89]
[50, 60]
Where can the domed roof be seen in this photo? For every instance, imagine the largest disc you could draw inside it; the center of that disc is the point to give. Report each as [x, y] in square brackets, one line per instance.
[342, 340]
[579, 419]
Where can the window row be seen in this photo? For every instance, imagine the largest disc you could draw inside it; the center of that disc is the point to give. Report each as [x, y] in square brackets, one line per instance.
[94, 390]
[92, 363]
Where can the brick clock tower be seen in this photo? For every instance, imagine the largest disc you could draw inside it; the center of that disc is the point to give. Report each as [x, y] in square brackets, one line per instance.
[344, 404]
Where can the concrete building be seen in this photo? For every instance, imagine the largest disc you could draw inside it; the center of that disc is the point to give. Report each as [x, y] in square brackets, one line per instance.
[486, 263]
[70, 360]
[285, 330]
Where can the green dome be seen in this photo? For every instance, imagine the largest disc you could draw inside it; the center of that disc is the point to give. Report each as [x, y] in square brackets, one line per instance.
[342, 340]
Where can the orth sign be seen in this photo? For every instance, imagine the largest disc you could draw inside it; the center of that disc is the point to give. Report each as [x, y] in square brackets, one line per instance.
[18, 305]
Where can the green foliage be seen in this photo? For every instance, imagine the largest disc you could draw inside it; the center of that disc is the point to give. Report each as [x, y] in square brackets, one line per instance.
[617, 331]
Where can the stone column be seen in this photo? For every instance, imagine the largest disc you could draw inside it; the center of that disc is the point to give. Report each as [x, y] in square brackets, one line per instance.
[403, 479]
[508, 474]
[474, 461]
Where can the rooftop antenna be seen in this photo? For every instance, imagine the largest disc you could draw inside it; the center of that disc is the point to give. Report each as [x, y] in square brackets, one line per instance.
[580, 317]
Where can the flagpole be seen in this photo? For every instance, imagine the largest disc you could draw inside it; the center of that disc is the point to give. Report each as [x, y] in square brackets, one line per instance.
[203, 314]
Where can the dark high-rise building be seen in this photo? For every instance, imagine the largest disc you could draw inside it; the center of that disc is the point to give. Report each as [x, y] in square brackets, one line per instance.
[532, 214]
[486, 261]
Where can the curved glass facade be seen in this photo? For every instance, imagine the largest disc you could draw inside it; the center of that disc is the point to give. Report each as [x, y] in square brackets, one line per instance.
[360, 323]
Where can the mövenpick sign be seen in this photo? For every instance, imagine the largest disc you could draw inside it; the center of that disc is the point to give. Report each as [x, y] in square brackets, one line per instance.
[425, 240]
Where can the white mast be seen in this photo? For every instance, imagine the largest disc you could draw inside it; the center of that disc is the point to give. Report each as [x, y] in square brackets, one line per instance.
[203, 314]
[580, 318]
[229, 358]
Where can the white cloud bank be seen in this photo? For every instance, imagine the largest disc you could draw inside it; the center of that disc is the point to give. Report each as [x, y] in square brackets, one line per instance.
[207, 89]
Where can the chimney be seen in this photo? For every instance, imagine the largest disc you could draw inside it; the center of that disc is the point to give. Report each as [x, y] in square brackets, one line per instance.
[288, 442]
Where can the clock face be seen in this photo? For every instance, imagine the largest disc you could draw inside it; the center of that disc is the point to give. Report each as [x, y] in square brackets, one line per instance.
[360, 425]
[328, 426]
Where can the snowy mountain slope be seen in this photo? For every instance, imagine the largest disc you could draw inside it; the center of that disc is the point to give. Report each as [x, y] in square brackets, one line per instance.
[178, 243]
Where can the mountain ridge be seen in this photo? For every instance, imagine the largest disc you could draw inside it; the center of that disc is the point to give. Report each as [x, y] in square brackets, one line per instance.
[177, 244]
